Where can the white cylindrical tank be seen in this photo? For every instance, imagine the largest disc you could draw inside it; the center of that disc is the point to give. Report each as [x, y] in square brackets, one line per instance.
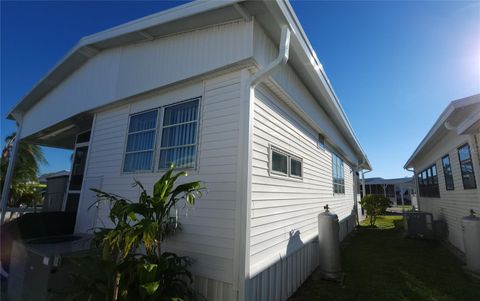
[329, 244]
[471, 241]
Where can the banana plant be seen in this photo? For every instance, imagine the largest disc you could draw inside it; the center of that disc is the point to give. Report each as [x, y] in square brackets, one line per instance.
[134, 245]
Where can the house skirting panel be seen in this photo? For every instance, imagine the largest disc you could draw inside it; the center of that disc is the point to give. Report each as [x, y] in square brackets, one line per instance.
[214, 290]
[281, 280]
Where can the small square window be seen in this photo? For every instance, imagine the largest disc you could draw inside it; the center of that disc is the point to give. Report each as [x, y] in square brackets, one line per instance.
[296, 167]
[279, 162]
[321, 141]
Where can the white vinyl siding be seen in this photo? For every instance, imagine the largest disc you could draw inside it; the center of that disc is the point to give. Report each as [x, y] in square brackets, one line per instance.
[284, 210]
[122, 72]
[452, 204]
[208, 229]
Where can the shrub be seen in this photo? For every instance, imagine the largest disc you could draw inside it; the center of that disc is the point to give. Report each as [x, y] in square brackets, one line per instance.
[375, 206]
[130, 254]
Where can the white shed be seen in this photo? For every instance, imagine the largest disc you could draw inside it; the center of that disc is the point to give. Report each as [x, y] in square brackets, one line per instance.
[446, 166]
[231, 91]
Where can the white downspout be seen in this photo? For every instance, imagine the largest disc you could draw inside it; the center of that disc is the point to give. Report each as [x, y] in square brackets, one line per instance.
[11, 167]
[248, 93]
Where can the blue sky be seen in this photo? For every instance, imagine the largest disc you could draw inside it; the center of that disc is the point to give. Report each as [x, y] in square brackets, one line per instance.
[394, 65]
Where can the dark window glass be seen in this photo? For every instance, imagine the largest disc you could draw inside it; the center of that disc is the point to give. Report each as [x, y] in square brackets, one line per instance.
[428, 182]
[466, 166]
[79, 160]
[179, 135]
[447, 173]
[279, 162]
[83, 137]
[338, 174]
[140, 142]
[295, 167]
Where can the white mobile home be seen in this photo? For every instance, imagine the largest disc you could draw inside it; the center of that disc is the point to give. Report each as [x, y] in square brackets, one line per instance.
[231, 91]
[446, 165]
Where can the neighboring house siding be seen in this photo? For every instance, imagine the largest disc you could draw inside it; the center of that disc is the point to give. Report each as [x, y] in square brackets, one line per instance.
[208, 229]
[280, 204]
[452, 205]
[122, 72]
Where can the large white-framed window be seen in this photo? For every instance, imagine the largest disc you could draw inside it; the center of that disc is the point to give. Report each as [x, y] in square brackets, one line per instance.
[338, 174]
[285, 164]
[139, 151]
[179, 135]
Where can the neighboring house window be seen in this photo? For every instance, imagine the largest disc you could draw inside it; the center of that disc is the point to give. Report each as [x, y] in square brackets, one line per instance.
[285, 164]
[466, 166]
[179, 135]
[338, 175]
[140, 142]
[447, 172]
[428, 182]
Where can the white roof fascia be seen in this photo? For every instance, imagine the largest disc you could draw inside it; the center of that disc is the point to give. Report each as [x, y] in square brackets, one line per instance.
[468, 123]
[299, 33]
[168, 15]
[86, 46]
[440, 122]
[436, 126]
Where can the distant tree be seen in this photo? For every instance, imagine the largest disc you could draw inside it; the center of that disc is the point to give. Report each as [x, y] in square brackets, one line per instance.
[375, 206]
[25, 177]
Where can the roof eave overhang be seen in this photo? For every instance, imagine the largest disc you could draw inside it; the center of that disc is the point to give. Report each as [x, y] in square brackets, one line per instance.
[89, 46]
[468, 126]
[301, 44]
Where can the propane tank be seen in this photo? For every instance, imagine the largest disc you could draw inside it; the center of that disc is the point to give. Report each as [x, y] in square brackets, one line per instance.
[329, 244]
[471, 241]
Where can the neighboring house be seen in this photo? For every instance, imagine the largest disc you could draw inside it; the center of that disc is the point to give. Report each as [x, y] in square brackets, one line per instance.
[234, 93]
[43, 178]
[446, 166]
[391, 188]
[56, 187]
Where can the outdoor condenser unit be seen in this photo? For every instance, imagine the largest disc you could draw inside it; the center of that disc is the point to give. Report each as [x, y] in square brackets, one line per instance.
[419, 224]
[40, 266]
[329, 245]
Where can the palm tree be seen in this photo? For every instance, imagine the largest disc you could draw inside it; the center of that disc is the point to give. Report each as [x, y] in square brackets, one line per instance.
[27, 167]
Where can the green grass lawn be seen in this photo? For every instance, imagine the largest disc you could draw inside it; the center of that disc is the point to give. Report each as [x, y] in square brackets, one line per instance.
[382, 265]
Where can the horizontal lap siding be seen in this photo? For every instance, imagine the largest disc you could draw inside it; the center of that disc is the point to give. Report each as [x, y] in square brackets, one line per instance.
[279, 204]
[208, 227]
[123, 72]
[452, 205]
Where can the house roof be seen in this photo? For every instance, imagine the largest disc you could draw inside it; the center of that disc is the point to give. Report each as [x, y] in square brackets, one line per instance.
[44, 177]
[200, 14]
[382, 181]
[462, 116]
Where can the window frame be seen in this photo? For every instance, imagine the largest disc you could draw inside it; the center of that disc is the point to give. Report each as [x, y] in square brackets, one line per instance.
[448, 177]
[155, 140]
[471, 164]
[321, 142]
[334, 155]
[289, 156]
[428, 186]
[160, 134]
[158, 137]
